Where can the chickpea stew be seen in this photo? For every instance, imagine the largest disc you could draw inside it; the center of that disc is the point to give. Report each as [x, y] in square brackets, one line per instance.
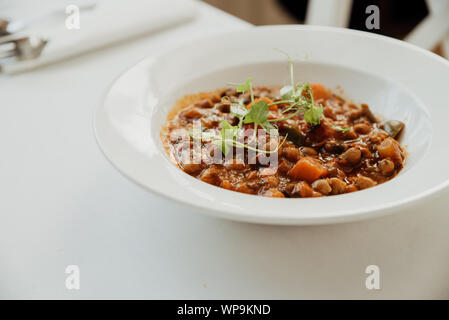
[318, 143]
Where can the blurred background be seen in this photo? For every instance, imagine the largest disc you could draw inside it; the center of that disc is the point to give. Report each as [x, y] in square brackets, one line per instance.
[36, 33]
[397, 18]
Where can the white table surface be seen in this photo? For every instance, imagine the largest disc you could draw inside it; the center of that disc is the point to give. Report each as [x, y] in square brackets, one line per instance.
[62, 203]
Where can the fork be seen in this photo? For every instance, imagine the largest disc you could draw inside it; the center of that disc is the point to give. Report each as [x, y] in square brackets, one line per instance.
[22, 48]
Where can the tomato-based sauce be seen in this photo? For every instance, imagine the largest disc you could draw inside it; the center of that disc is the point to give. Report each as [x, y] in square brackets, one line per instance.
[349, 149]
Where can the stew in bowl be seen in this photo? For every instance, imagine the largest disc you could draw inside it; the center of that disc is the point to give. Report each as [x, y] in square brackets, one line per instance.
[355, 135]
[300, 140]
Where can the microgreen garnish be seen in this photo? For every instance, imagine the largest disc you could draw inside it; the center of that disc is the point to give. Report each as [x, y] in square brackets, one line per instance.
[313, 115]
[246, 86]
[228, 134]
[238, 110]
[343, 130]
[299, 98]
[286, 90]
[228, 138]
[243, 145]
[258, 113]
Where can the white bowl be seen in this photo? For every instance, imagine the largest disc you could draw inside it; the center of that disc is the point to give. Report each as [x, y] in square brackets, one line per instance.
[396, 79]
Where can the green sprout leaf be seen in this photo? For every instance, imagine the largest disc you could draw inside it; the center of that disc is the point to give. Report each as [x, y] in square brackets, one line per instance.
[227, 137]
[245, 86]
[258, 113]
[290, 62]
[287, 92]
[313, 115]
[299, 102]
[299, 98]
[343, 130]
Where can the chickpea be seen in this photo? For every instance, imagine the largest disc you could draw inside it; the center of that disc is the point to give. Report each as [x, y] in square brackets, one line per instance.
[386, 167]
[389, 148]
[192, 113]
[308, 151]
[322, 186]
[235, 164]
[291, 153]
[191, 168]
[351, 156]
[362, 128]
[206, 103]
[303, 189]
[211, 175]
[272, 181]
[338, 186]
[364, 182]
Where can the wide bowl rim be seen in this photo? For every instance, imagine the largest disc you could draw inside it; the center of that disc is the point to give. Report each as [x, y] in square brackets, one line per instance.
[349, 215]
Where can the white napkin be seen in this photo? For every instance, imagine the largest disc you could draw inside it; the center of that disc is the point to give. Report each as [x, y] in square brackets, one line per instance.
[109, 21]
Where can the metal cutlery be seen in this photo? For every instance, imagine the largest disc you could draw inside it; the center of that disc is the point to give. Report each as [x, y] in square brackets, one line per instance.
[22, 48]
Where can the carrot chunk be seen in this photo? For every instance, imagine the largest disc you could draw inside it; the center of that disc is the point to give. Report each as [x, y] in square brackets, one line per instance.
[307, 169]
[274, 107]
[319, 91]
[226, 185]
